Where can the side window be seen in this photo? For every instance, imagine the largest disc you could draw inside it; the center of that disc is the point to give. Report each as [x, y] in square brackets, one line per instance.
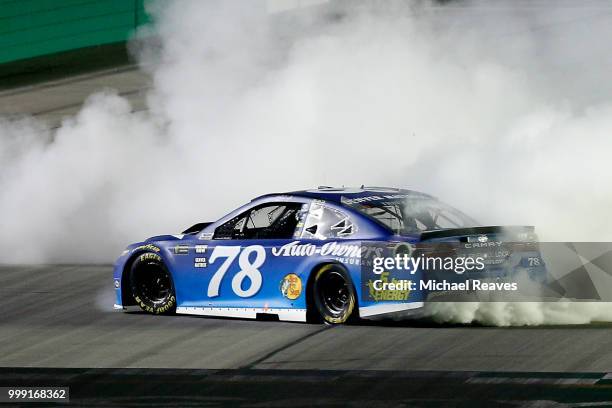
[264, 217]
[324, 222]
[267, 221]
[231, 228]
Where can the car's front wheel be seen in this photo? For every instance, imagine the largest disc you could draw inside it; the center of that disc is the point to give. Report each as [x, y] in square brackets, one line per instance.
[151, 284]
[333, 294]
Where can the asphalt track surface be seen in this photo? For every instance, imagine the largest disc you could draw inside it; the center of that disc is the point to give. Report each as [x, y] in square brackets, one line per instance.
[58, 327]
[52, 101]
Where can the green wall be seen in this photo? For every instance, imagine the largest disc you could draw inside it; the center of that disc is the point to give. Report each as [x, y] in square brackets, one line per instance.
[32, 28]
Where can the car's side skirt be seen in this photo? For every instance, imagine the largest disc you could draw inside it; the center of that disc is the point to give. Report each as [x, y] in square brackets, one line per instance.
[389, 308]
[291, 315]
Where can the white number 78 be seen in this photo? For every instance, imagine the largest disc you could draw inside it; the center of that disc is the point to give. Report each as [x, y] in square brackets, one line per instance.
[247, 269]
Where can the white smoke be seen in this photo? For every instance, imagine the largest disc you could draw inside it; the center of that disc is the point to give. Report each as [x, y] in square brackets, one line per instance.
[503, 111]
[518, 308]
[519, 313]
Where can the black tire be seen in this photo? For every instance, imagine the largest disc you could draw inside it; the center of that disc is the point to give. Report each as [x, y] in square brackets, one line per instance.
[333, 294]
[151, 284]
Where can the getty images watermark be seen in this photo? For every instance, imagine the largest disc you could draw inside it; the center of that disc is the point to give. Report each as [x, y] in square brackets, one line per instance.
[498, 272]
[405, 264]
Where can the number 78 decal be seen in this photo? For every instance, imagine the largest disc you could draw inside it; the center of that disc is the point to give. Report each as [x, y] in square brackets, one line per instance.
[247, 269]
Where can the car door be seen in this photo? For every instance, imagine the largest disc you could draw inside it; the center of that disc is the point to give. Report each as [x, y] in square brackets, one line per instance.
[237, 267]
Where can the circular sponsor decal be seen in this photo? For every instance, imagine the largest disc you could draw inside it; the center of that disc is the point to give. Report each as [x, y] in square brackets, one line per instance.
[291, 286]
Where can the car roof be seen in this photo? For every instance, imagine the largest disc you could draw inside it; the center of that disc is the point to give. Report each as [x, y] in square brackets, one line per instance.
[335, 194]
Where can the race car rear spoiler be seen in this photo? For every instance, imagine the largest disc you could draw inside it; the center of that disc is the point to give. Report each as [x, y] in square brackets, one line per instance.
[459, 232]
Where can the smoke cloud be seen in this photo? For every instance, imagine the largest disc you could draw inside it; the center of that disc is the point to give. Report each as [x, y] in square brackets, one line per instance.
[519, 313]
[503, 111]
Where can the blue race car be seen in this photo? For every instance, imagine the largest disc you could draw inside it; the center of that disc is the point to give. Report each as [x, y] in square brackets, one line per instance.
[306, 256]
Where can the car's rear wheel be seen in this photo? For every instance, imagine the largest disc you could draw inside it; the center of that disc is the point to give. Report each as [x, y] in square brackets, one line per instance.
[151, 284]
[333, 294]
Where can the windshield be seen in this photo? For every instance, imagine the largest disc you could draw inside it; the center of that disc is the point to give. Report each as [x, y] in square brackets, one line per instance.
[409, 215]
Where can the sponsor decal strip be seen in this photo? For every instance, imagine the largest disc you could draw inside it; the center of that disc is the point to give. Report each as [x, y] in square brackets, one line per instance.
[291, 315]
[181, 250]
